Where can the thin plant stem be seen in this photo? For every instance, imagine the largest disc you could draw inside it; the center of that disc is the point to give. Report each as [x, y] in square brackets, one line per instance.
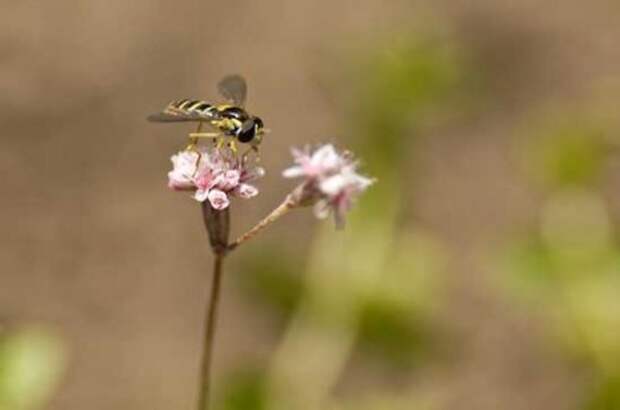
[282, 209]
[217, 224]
[209, 333]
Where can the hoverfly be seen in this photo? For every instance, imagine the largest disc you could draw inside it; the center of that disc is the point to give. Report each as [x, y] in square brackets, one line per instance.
[229, 120]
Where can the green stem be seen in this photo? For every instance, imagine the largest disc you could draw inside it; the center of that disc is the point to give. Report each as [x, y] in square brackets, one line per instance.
[282, 209]
[209, 333]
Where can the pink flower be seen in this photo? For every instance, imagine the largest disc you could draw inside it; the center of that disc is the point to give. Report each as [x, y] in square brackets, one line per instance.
[214, 175]
[331, 181]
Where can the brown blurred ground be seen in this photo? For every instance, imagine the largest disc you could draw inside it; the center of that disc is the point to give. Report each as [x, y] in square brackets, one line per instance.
[95, 244]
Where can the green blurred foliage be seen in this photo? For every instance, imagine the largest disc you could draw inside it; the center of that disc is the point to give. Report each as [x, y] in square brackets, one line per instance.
[388, 402]
[568, 266]
[567, 152]
[392, 87]
[373, 289]
[245, 389]
[272, 278]
[31, 363]
[374, 286]
[396, 86]
[606, 395]
[394, 319]
[390, 330]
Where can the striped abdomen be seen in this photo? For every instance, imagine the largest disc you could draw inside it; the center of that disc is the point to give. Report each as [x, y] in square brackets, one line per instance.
[192, 108]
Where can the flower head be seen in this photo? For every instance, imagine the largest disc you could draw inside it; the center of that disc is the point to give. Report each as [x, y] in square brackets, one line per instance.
[331, 180]
[323, 161]
[214, 175]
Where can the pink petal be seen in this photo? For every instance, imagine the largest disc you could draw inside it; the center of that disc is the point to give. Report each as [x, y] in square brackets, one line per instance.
[218, 199]
[227, 180]
[339, 218]
[205, 180]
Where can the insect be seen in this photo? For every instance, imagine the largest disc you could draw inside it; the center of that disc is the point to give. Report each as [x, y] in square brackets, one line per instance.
[229, 120]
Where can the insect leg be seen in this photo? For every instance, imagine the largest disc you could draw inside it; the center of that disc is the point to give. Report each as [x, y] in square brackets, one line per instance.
[193, 140]
[252, 149]
[232, 144]
[220, 143]
[211, 135]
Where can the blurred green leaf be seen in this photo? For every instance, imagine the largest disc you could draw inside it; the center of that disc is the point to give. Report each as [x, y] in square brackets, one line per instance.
[388, 401]
[395, 86]
[528, 264]
[245, 390]
[394, 332]
[569, 153]
[606, 396]
[31, 362]
[394, 315]
[272, 278]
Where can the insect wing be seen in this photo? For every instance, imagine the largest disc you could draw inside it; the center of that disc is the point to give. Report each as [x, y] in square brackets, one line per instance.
[234, 89]
[167, 117]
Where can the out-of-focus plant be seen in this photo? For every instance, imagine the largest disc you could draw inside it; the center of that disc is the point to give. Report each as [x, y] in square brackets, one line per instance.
[568, 264]
[374, 288]
[270, 277]
[31, 363]
[568, 153]
[244, 389]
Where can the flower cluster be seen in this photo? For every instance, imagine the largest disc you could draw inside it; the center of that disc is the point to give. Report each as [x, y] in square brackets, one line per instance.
[331, 180]
[214, 175]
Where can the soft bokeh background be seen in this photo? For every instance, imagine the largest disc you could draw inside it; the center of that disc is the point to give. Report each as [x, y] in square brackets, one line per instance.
[481, 272]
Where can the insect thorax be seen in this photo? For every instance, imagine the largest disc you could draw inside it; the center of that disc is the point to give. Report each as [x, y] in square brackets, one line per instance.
[232, 118]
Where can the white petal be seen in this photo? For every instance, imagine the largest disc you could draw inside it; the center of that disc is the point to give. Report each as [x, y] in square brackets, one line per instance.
[253, 174]
[183, 168]
[334, 185]
[247, 191]
[201, 195]
[321, 209]
[300, 154]
[293, 172]
[180, 185]
[218, 199]
[326, 157]
[359, 183]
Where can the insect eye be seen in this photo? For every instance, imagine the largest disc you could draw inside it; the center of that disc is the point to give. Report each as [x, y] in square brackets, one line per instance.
[246, 135]
[258, 123]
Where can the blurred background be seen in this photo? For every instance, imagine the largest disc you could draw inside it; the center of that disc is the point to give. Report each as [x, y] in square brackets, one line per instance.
[482, 271]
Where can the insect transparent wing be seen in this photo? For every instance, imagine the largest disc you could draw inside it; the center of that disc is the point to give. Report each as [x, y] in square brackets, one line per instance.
[166, 117]
[234, 89]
